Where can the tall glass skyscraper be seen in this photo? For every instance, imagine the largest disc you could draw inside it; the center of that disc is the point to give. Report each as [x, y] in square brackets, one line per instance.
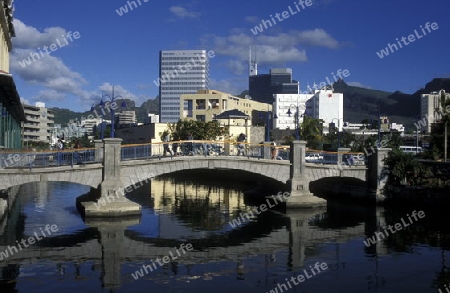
[180, 72]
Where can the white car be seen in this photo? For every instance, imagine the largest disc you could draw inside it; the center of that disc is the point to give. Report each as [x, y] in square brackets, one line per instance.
[314, 158]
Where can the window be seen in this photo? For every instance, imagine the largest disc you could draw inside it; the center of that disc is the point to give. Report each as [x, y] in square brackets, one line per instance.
[200, 118]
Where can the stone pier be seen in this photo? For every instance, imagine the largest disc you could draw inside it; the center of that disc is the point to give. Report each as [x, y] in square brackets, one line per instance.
[377, 173]
[111, 202]
[300, 197]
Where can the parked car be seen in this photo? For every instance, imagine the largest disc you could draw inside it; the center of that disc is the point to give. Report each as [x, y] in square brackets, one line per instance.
[314, 158]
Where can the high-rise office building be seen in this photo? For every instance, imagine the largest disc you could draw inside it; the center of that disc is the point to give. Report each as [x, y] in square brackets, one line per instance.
[11, 111]
[180, 72]
[262, 87]
[39, 124]
[431, 109]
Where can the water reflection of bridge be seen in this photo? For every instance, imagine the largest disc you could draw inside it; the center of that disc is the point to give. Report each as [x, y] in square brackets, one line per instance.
[117, 246]
[111, 244]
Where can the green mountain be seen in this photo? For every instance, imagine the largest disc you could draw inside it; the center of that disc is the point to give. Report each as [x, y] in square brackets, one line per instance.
[362, 103]
[359, 104]
[62, 116]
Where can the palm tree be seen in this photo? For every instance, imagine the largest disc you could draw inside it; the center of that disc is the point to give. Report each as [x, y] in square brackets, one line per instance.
[404, 169]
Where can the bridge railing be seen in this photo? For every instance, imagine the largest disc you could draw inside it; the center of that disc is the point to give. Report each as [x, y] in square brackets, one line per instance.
[332, 158]
[48, 158]
[199, 148]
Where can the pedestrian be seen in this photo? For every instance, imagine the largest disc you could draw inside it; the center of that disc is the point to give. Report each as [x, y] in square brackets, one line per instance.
[241, 146]
[190, 145]
[166, 139]
[273, 150]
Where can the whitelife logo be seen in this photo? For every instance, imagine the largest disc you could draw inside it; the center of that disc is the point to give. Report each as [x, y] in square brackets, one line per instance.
[262, 208]
[398, 226]
[281, 16]
[411, 38]
[53, 47]
[317, 269]
[27, 242]
[131, 4]
[165, 260]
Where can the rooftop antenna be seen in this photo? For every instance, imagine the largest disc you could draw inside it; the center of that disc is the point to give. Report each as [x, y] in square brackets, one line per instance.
[252, 65]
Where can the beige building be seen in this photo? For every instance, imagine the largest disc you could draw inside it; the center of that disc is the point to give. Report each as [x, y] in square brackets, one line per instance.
[206, 104]
[12, 114]
[7, 32]
[126, 117]
[39, 123]
[431, 109]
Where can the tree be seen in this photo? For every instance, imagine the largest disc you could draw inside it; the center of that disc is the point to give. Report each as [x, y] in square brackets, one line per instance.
[198, 129]
[404, 169]
[311, 130]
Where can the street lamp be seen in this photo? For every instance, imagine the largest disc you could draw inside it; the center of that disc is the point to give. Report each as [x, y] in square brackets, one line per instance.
[101, 125]
[269, 114]
[297, 117]
[112, 98]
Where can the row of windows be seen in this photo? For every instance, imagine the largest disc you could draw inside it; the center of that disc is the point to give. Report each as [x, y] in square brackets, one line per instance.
[181, 63]
[185, 57]
[183, 83]
[176, 69]
[170, 108]
[175, 88]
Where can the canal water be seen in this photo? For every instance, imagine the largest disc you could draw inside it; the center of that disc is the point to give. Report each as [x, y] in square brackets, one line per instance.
[186, 225]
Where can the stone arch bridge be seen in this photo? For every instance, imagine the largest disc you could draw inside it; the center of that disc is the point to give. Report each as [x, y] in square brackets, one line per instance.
[112, 174]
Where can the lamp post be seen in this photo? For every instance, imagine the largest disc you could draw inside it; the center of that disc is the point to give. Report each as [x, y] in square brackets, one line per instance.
[101, 124]
[338, 130]
[269, 114]
[297, 117]
[112, 98]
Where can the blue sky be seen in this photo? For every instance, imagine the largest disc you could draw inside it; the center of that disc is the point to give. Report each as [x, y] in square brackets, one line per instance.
[319, 39]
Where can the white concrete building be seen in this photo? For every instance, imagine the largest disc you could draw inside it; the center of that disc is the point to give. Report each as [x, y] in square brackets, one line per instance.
[328, 106]
[282, 104]
[39, 123]
[430, 108]
[323, 104]
[180, 72]
[126, 118]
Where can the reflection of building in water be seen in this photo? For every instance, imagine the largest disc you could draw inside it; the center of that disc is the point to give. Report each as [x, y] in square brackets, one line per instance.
[191, 210]
[37, 193]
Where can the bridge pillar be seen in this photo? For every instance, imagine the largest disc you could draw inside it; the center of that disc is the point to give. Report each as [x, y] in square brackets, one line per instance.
[266, 150]
[112, 201]
[112, 240]
[300, 233]
[377, 173]
[98, 144]
[300, 196]
[340, 152]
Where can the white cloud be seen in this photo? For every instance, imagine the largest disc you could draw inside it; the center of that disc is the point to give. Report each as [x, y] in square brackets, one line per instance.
[54, 80]
[48, 71]
[317, 37]
[358, 84]
[273, 50]
[182, 12]
[234, 86]
[28, 37]
[48, 96]
[252, 19]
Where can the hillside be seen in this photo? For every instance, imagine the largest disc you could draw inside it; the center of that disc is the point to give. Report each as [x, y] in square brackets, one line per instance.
[359, 104]
[62, 116]
[362, 103]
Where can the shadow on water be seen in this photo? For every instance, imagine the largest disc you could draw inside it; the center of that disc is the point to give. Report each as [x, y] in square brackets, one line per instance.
[197, 208]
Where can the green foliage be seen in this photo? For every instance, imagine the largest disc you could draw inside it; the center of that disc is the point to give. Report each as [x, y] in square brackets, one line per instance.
[405, 170]
[198, 129]
[311, 130]
[347, 139]
[39, 145]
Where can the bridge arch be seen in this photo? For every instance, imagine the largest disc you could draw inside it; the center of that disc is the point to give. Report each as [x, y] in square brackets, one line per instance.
[90, 175]
[140, 170]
